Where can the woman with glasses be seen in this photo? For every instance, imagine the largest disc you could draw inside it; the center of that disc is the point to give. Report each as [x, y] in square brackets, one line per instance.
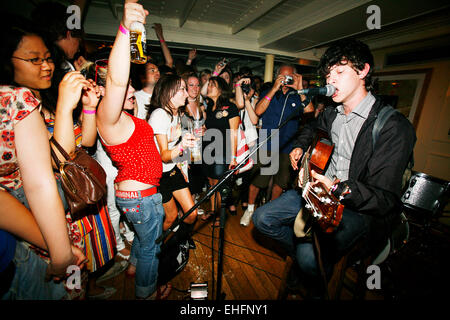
[27, 63]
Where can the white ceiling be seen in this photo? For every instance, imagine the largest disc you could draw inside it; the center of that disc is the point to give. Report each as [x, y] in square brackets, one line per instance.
[289, 29]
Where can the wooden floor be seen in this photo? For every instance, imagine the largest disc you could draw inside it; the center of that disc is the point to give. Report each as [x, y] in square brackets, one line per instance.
[251, 270]
[253, 266]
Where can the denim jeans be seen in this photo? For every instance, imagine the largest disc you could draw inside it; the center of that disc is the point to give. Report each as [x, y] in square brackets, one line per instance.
[146, 215]
[276, 220]
[29, 279]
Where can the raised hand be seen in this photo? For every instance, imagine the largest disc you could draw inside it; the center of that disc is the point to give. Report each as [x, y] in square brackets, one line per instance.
[298, 82]
[91, 96]
[133, 12]
[192, 54]
[70, 89]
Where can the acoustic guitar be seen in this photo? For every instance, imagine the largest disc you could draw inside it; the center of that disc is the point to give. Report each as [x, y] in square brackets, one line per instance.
[324, 207]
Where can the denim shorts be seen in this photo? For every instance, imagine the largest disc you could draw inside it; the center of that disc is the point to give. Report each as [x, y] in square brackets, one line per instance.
[146, 215]
[29, 279]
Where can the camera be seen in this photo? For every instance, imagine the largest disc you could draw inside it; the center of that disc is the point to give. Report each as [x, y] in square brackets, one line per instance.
[288, 80]
[245, 88]
[223, 63]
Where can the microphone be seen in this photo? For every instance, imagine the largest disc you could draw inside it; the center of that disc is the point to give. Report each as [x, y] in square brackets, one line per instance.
[328, 91]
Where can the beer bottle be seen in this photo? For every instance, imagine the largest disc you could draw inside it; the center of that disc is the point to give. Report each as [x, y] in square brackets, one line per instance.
[138, 43]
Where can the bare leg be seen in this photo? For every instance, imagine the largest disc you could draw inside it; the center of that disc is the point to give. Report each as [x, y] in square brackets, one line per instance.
[184, 198]
[276, 191]
[252, 194]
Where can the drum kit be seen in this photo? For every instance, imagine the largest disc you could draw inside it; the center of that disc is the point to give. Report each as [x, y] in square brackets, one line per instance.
[424, 200]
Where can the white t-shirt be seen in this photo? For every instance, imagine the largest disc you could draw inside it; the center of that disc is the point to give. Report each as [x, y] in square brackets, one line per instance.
[161, 124]
[142, 99]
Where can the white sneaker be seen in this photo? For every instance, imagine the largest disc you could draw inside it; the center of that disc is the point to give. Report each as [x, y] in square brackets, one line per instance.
[246, 217]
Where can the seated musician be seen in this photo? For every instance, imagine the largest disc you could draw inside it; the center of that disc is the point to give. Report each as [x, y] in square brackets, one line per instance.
[367, 183]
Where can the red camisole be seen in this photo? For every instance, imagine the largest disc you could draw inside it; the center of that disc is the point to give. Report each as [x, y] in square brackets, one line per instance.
[138, 158]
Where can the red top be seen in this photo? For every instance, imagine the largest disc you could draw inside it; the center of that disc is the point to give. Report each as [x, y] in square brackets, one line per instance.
[138, 158]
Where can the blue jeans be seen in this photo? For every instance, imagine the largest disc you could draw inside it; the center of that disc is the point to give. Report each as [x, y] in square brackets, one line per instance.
[146, 215]
[29, 279]
[276, 220]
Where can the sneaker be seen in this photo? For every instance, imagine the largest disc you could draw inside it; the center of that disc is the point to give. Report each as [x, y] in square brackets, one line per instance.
[246, 217]
[200, 211]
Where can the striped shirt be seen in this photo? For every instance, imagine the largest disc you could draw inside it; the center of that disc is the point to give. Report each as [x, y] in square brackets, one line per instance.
[344, 132]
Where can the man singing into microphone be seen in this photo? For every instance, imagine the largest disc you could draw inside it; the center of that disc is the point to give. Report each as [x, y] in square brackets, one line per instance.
[367, 182]
[275, 106]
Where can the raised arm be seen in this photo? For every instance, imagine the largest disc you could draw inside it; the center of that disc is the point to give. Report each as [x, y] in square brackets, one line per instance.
[89, 99]
[165, 49]
[110, 108]
[69, 94]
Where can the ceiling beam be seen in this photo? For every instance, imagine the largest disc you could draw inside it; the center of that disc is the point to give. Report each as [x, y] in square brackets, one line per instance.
[311, 13]
[253, 13]
[186, 11]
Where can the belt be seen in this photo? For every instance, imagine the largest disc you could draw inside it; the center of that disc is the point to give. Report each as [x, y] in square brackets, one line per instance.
[135, 194]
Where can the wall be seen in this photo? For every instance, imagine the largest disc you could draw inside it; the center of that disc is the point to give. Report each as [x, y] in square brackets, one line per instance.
[432, 150]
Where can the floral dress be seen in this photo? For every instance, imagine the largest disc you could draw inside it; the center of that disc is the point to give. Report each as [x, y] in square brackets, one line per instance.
[15, 105]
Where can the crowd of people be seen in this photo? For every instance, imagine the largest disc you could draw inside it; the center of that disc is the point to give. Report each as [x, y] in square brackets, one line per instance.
[164, 133]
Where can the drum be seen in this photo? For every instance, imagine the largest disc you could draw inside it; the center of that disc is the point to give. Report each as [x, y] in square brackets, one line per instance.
[426, 193]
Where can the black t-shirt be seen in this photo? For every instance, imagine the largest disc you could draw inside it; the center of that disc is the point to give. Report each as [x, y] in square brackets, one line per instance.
[219, 120]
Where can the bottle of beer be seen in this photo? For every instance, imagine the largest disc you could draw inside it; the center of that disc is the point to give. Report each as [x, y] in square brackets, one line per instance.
[138, 43]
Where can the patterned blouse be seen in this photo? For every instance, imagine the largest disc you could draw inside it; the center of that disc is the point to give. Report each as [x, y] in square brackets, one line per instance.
[15, 105]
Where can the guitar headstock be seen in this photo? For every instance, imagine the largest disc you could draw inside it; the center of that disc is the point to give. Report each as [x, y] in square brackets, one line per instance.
[325, 207]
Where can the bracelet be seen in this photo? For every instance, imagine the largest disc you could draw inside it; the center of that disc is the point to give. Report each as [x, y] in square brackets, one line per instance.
[89, 111]
[124, 30]
[215, 74]
[234, 157]
[181, 148]
[237, 85]
[267, 98]
[162, 40]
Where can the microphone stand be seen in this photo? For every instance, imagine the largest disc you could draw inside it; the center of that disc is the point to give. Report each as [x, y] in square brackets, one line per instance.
[225, 191]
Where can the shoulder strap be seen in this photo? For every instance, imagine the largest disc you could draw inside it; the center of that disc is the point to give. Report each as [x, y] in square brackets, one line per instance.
[382, 117]
[60, 149]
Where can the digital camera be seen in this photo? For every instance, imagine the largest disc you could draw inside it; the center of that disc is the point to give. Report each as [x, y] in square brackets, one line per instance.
[223, 62]
[288, 80]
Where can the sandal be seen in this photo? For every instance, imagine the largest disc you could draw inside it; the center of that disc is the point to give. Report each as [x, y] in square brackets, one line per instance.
[216, 223]
[163, 292]
[131, 271]
[207, 215]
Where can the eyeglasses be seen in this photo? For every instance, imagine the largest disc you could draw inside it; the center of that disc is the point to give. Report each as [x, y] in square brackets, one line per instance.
[37, 61]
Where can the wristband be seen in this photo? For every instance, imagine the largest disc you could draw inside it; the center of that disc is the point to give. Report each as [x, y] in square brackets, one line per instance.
[162, 40]
[333, 187]
[124, 30]
[181, 148]
[215, 74]
[267, 98]
[234, 157]
[237, 85]
[89, 111]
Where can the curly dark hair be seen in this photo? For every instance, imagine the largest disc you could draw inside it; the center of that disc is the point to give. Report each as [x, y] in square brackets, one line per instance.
[348, 50]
